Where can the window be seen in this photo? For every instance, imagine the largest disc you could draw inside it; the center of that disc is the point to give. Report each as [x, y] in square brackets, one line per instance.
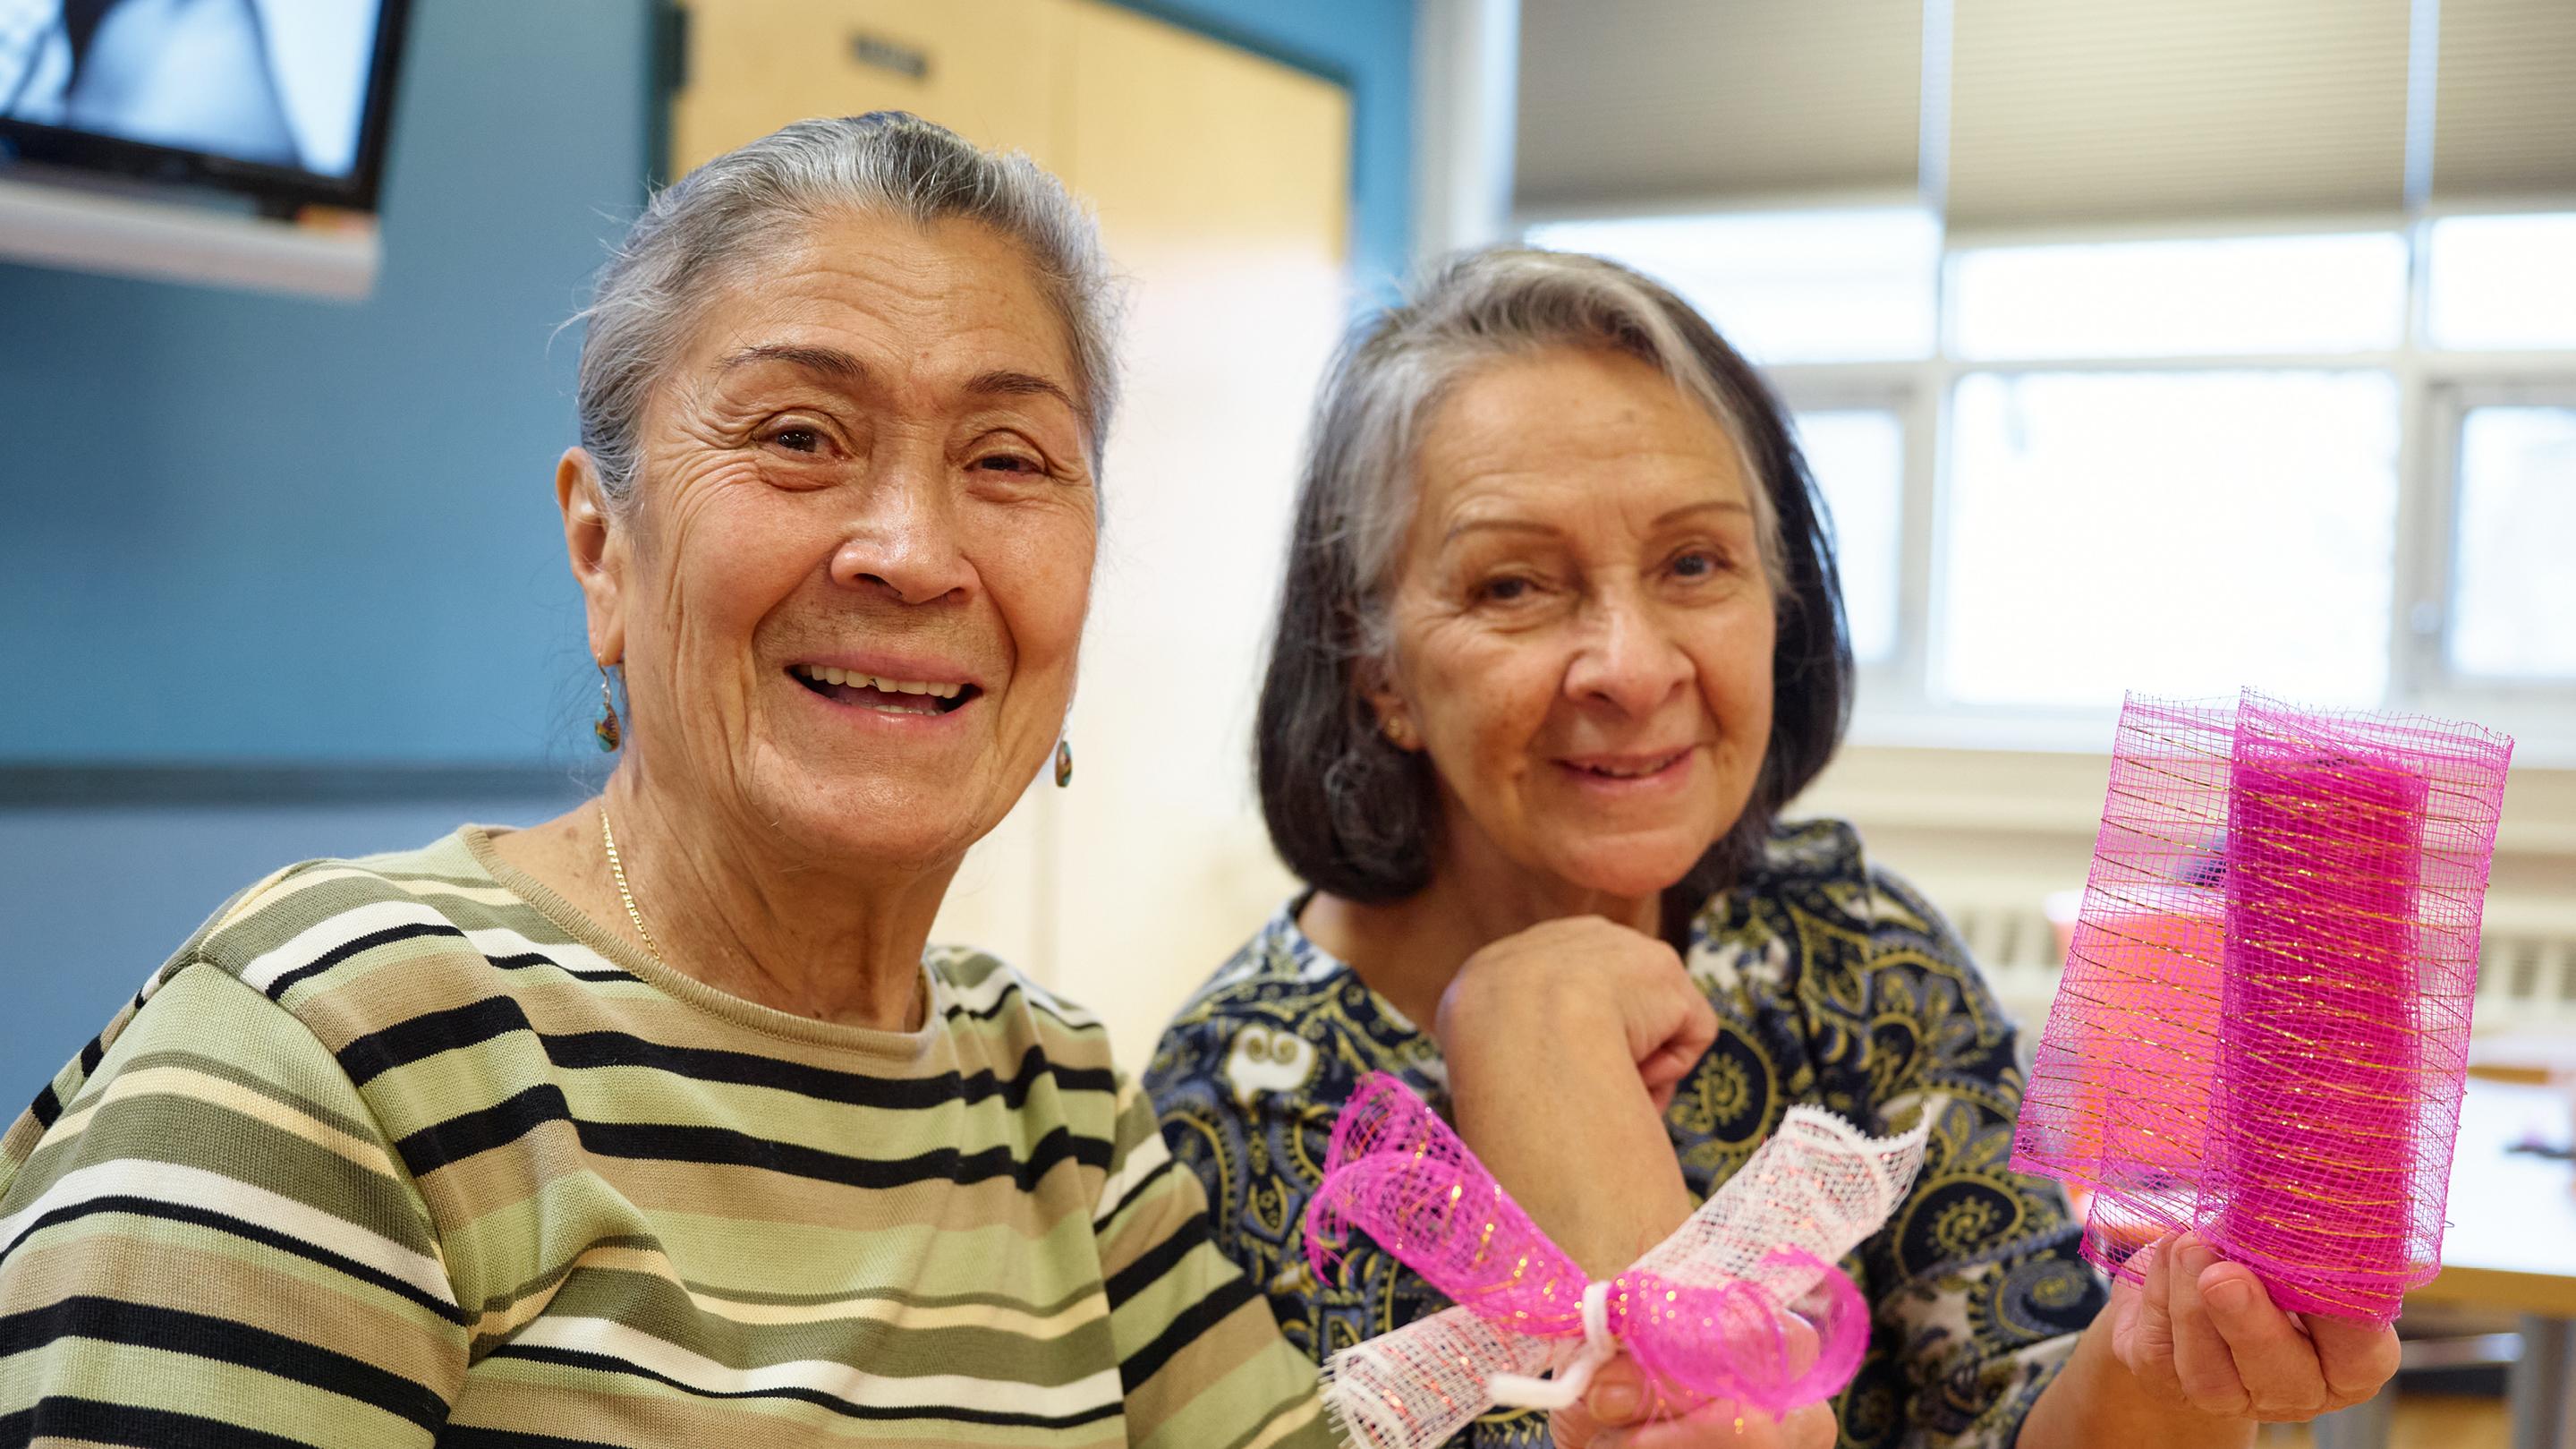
[2166, 532]
[2513, 591]
[1820, 286]
[2180, 523]
[1858, 459]
[2503, 281]
[2183, 298]
[2340, 467]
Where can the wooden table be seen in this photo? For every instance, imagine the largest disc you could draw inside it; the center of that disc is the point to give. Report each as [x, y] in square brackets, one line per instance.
[2511, 1245]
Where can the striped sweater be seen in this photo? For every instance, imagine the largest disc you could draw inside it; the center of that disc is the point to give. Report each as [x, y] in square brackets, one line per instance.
[405, 1151]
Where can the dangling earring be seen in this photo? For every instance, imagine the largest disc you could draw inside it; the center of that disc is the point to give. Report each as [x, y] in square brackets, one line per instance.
[606, 730]
[1063, 762]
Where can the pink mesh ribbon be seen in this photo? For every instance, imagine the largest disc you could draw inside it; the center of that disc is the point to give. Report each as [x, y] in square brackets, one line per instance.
[1742, 1302]
[2262, 1034]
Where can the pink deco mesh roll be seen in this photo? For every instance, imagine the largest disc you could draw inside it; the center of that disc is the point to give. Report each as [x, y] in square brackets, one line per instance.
[2263, 1030]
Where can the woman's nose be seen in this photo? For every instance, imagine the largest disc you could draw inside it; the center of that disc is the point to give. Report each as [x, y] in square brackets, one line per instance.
[1627, 660]
[903, 542]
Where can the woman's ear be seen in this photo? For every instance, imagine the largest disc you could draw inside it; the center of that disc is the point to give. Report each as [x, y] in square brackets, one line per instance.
[598, 552]
[1394, 715]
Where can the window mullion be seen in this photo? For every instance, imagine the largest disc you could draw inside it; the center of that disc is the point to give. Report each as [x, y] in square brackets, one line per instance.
[1919, 612]
[2419, 579]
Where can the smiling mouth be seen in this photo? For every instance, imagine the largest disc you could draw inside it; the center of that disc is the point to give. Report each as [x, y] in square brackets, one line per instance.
[891, 696]
[1631, 769]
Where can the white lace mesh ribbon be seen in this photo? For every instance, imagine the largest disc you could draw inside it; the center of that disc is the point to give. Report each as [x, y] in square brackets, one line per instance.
[1818, 1185]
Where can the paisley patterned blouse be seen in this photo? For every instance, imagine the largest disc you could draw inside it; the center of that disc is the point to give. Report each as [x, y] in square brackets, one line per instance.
[1834, 984]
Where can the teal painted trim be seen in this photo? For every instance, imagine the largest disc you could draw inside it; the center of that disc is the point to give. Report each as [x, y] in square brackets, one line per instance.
[666, 73]
[1190, 18]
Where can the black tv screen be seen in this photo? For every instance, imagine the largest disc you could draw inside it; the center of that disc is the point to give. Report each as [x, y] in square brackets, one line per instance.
[285, 100]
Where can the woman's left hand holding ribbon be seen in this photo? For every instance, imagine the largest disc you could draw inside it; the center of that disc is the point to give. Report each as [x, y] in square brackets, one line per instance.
[1582, 1145]
[1564, 1042]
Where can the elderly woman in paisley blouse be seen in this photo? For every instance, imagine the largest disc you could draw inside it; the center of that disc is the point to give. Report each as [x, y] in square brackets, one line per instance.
[1561, 636]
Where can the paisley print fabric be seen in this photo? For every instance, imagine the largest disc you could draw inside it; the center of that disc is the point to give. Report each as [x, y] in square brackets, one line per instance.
[1834, 984]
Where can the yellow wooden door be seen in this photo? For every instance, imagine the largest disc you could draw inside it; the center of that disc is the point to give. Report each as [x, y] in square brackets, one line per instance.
[1223, 184]
[986, 69]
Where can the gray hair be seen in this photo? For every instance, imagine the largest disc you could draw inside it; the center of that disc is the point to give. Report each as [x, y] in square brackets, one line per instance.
[728, 218]
[1349, 811]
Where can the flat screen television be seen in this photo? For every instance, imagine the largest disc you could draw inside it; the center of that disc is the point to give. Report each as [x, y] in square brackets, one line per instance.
[285, 101]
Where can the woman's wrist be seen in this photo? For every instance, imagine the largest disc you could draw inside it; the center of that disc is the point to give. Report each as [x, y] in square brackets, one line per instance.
[1493, 1003]
[2095, 1402]
[1555, 1108]
[1521, 1050]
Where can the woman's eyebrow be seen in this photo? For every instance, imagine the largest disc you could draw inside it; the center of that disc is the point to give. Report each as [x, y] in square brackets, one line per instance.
[829, 362]
[1495, 525]
[1006, 383]
[833, 364]
[1522, 525]
[1726, 505]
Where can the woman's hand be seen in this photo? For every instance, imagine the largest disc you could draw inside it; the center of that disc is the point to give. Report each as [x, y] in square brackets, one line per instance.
[1563, 1043]
[1577, 980]
[2203, 1334]
[1620, 1413]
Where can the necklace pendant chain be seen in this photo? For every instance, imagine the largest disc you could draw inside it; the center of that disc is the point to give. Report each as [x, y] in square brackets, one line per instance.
[617, 869]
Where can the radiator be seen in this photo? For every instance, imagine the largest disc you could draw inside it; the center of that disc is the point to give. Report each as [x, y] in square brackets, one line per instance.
[2526, 958]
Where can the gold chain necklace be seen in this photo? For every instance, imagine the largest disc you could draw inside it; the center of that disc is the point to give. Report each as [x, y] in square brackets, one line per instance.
[617, 868]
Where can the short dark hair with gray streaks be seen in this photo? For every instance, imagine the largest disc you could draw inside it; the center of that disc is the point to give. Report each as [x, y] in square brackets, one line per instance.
[1348, 811]
[724, 221]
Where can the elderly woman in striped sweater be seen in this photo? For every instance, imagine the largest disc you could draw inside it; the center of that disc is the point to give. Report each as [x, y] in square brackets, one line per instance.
[657, 1125]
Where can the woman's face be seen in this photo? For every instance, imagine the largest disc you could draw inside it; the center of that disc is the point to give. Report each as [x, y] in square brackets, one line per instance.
[1582, 623]
[850, 597]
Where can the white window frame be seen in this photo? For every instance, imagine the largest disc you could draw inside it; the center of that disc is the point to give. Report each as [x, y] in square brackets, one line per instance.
[1880, 388]
[2425, 623]
[2435, 389]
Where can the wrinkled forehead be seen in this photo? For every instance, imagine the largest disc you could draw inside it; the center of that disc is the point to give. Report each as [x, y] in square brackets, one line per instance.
[940, 300]
[1592, 429]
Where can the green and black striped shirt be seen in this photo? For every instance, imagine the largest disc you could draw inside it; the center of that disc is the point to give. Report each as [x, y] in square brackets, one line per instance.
[405, 1151]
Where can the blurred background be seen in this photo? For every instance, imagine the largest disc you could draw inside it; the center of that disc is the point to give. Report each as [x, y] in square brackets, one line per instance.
[2166, 348]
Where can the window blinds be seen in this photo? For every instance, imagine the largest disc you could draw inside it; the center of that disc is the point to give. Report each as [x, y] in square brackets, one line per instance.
[2069, 112]
[2060, 113]
[1716, 102]
[2504, 108]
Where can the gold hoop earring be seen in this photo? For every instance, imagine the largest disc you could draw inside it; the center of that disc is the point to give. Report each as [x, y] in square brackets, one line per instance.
[1063, 762]
[606, 729]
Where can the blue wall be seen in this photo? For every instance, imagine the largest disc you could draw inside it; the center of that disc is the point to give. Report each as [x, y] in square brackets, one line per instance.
[236, 526]
[239, 527]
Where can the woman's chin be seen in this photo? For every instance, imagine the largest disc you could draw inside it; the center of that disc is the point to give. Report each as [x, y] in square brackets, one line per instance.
[1629, 872]
[877, 828]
